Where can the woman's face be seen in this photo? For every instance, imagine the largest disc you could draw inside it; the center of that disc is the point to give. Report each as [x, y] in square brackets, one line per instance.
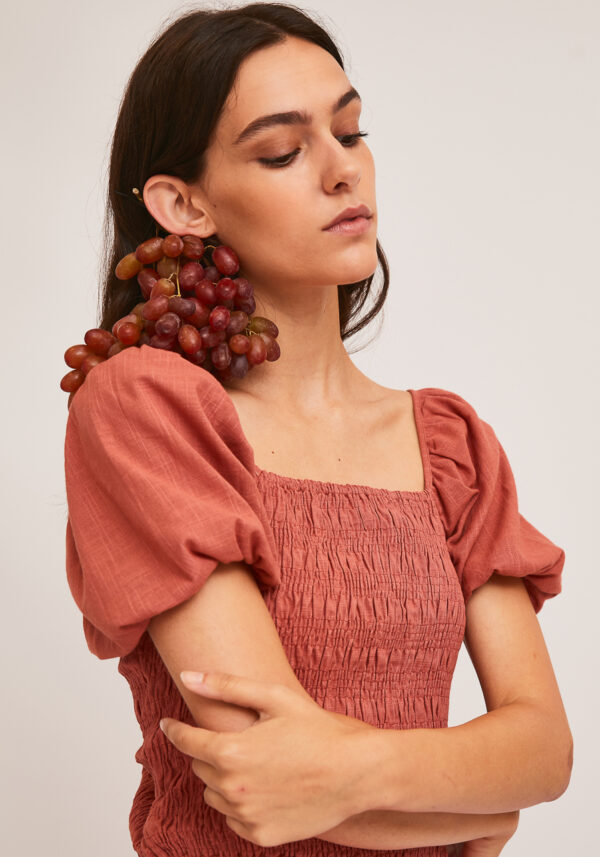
[274, 216]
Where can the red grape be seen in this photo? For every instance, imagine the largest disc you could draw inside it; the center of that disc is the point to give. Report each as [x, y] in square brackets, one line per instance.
[219, 318]
[225, 260]
[119, 346]
[72, 380]
[238, 321]
[156, 307]
[257, 352]
[243, 288]
[76, 354]
[182, 306]
[193, 247]
[190, 275]
[221, 355]
[128, 333]
[259, 324]
[189, 338]
[132, 317]
[198, 357]
[196, 310]
[99, 340]
[239, 365]
[248, 305]
[150, 251]
[211, 337]
[168, 325]
[162, 286]
[239, 343]
[201, 314]
[128, 267]
[157, 341]
[173, 246]
[206, 292]
[225, 289]
[166, 266]
[90, 361]
[146, 278]
[272, 345]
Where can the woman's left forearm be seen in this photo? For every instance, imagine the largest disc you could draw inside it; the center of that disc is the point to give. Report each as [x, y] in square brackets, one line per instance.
[393, 830]
[508, 759]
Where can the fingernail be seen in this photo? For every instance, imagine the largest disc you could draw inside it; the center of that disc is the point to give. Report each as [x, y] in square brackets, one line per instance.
[190, 677]
[162, 725]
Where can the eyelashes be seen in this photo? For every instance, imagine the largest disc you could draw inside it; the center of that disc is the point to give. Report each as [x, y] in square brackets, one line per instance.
[286, 160]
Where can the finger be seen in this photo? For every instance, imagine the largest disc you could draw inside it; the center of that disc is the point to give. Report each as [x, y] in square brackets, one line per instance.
[262, 696]
[213, 794]
[242, 831]
[191, 740]
[207, 773]
[217, 801]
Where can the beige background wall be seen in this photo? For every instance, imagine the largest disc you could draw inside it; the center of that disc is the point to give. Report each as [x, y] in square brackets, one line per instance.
[483, 120]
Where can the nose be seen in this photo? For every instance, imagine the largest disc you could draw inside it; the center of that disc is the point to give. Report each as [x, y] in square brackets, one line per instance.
[342, 167]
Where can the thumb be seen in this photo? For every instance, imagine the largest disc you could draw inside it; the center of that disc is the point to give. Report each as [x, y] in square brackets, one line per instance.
[247, 692]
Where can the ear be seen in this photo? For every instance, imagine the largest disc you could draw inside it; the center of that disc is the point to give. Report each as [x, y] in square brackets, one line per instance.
[169, 200]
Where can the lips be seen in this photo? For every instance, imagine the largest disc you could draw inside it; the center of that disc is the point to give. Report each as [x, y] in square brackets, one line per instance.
[349, 213]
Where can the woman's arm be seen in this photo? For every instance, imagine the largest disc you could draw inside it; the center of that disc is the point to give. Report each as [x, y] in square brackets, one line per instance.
[394, 830]
[518, 754]
[226, 627]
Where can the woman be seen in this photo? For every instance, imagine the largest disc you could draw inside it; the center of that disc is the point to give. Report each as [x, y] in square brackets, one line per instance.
[311, 538]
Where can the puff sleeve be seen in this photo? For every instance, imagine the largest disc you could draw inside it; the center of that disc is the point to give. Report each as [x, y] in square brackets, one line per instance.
[476, 495]
[161, 488]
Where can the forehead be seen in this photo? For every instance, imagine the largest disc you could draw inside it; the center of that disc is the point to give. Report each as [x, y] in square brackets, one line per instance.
[292, 75]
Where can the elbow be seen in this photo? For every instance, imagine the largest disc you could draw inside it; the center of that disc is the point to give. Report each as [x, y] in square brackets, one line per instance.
[564, 767]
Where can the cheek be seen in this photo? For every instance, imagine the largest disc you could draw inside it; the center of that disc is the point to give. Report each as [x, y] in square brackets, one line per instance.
[276, 211]
[253, 204]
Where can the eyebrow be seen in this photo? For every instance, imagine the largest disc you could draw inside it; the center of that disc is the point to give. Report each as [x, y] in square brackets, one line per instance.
[292, 117]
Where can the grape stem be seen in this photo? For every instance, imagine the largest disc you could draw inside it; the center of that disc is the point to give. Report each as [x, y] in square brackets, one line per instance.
[177, 279]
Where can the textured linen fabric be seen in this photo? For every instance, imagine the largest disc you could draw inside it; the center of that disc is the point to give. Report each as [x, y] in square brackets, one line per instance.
[160, 489]
[367, 586]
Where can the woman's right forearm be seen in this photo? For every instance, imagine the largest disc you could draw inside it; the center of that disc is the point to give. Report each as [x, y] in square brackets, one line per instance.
[393, 830]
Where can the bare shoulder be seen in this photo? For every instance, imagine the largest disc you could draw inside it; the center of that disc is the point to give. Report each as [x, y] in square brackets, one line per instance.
[388, 398]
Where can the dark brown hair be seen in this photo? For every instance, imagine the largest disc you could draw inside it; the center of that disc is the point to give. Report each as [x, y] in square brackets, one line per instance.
[168, 112]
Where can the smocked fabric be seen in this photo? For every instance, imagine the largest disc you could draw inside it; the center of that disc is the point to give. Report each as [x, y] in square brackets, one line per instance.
[367, 587]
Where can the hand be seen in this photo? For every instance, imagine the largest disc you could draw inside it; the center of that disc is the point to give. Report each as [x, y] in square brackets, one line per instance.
[292, 774]
[487, 846]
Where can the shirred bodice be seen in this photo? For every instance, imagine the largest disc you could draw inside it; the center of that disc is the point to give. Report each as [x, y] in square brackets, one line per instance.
[367, 587]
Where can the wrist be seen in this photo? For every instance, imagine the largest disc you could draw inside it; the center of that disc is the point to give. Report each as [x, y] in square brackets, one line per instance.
[371, 753]
[365, 747]
[510, 822]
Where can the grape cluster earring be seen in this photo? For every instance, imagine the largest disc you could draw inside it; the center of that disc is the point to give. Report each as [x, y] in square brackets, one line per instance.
[193, 304]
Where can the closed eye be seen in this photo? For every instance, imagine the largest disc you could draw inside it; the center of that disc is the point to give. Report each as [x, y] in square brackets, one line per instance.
[286, 160]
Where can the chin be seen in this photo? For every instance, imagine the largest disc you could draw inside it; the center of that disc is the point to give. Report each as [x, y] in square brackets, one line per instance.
[360, 270]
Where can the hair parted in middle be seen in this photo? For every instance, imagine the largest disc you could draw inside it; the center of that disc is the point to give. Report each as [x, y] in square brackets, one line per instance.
[166, 120]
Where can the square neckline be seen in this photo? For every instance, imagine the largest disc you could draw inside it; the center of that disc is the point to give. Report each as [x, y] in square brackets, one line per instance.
[325, 486]
[356, 488]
